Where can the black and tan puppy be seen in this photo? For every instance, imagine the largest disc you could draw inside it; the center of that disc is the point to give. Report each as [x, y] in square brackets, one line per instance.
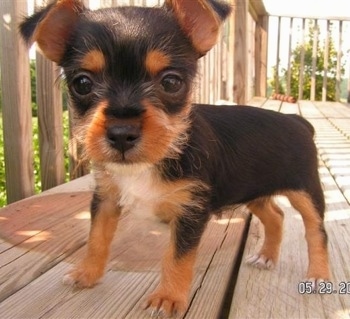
[130, 75]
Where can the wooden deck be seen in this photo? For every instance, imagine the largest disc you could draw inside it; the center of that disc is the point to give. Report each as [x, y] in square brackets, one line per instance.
[41, 237]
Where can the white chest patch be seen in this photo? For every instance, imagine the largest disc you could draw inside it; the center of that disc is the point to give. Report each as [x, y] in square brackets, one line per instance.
[140, 188]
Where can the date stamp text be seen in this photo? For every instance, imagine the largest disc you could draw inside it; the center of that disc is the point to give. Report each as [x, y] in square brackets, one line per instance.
[324, 288]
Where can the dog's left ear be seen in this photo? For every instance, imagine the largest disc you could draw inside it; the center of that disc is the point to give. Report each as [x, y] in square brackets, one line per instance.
[200, 20]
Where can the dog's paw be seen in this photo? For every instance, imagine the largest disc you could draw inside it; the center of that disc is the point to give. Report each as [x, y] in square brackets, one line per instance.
[83, 276]
[161, 305]
[260, 261]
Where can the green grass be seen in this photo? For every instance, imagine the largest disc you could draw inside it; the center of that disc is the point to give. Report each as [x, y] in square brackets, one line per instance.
[2, 168]
[36, 151]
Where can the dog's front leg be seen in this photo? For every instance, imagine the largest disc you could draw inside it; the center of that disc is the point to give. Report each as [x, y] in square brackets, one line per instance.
[104, 220]
[171, 296]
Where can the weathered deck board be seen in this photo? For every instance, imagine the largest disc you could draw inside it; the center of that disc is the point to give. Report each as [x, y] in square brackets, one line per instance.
[289, 108]
[273, 105]
[257, 101]
[333, 141]
[43, 236]
[336, 110]
[274, 294]
[39, 232]
[309, 110]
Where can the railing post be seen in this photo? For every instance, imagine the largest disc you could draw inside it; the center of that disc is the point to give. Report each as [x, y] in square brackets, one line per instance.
[50, 120]
[16, 108]
[240, 12]
[302, 63]
[277, 76]
[314, 62]
[289, 71]
[348, 98]
[325, 66]
[339, 55]
[261, 38]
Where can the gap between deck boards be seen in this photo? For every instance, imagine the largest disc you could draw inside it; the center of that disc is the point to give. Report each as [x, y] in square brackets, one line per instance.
[227, 302]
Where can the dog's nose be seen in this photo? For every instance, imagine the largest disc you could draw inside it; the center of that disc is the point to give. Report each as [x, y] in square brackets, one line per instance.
[123, 137]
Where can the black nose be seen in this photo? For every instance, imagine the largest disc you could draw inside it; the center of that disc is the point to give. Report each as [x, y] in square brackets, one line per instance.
[123, 137]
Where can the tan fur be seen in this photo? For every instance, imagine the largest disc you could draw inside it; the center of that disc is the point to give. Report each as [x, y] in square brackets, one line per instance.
[156, 61]
[272, 218]
[53, 32]
[162, 135]
[318, 255]
[179, 194]
[94, 132]
[203, 30]
[172, 293]
[91, 132]
[91, 268]
[93, 61]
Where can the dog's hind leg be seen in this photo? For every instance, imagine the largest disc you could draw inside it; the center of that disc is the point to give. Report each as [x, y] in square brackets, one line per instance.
[272, 218]
[312, 211]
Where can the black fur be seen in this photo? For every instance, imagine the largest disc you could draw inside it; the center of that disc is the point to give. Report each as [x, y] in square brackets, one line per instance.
[243, 153]
[95, 204]
[221, 8]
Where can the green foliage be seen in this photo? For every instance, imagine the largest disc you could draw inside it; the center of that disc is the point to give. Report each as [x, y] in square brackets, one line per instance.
[272, 83]
[2, 169]
[36, 159]
[36, 150]
[33, 87]
[308, 62]
[66, 142]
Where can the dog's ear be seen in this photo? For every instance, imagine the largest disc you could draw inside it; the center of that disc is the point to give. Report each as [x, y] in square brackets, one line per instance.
[200, 20]
[52, 26]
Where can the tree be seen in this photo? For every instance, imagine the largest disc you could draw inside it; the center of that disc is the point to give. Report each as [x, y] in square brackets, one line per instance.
[319, 72]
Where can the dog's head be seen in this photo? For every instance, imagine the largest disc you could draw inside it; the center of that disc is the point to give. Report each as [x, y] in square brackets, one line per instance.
[129, 71]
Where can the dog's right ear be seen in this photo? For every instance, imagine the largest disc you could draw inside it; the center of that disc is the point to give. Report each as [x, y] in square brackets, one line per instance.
[52, 27]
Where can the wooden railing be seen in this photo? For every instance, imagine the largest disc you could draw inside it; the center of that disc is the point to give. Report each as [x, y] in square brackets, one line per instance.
[324, 30]
[226, 73]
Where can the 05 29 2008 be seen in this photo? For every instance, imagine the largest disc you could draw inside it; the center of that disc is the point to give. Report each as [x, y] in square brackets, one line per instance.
[324, 287]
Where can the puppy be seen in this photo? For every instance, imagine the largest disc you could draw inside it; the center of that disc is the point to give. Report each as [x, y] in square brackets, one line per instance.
[130, 73]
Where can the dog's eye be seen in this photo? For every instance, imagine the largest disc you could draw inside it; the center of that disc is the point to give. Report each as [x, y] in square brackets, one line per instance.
[171, 83]
[82, 85]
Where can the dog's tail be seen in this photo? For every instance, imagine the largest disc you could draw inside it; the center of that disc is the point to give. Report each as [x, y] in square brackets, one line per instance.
[305, 122]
